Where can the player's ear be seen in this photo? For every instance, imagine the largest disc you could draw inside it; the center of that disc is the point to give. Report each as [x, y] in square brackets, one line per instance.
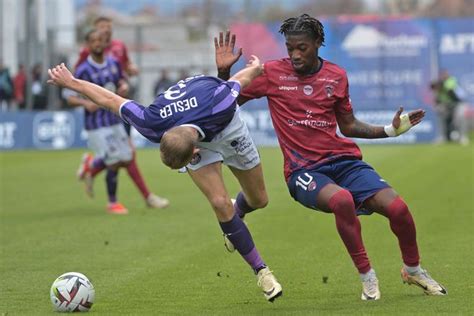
[318, 44]
[195, 150]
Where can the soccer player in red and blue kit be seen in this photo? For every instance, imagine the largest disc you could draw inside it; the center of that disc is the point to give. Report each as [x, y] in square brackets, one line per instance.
[308, 98]
[198, 125]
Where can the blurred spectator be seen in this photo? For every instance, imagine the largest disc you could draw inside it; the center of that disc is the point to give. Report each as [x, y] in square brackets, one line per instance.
[19, 85]
[446, 101]
[38, 88]
[113, 47]
[163, 83]
[6, 87]
[183, 74]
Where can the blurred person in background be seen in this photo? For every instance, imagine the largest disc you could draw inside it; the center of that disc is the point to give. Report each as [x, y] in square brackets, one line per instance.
[106, 134]
[117, 50]
[163, 83]
[198, 125]
[38, 88]
[6, 87]
[447, 102]
[19, 84]
[324, 171]
[183, 74]
[113, 47]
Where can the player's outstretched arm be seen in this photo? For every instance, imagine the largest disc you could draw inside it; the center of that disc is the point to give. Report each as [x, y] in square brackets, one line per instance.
[245, 76]
[352, 127]
[61, 76]
[225, 56]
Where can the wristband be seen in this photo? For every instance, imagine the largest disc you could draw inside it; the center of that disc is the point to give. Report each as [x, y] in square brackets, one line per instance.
[390, 130]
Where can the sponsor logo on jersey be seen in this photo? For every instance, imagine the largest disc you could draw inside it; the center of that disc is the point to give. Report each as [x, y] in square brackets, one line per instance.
[327, 80]
[288, 78]
[196, 159]
[53, 130]
[308, 90]
[310, 123]
[312, 186]
[329, 90]
[288, 88]
[241, 144]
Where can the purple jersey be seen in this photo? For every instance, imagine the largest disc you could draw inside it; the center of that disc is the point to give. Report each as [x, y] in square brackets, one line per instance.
[206, 102]
[107, 75]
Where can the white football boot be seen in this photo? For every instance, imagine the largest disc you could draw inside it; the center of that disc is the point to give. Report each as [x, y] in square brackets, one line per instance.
[269, 284]
[370, 289]
[424, 281]
[154, 201]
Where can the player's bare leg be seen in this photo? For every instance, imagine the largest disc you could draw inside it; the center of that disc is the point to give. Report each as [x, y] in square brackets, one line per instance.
[210, 181]
[333, 198]
[254, 194]
[84, 174]
[389, 204]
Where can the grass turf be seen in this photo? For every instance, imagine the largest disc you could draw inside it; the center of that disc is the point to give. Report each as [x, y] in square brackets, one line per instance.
[172, 261]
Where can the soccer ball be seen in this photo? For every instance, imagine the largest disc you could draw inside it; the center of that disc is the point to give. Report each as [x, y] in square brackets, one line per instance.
[72, 292]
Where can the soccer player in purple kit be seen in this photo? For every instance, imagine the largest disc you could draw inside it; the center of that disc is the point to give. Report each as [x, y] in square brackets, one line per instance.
[308, 98]
[105, 133]
[198, 125]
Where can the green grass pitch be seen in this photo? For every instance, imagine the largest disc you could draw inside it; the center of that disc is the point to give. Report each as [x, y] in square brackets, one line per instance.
[173, 262]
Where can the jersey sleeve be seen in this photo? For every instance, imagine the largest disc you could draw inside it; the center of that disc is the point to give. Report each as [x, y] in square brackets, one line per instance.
[225, 96]
[81, 73]
[344, 104]
[257, 88]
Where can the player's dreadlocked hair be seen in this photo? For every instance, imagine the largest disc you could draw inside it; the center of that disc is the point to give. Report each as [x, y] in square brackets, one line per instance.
[304, 24]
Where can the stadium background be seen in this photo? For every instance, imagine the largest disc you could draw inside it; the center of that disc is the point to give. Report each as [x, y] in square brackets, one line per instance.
[391, 49]
[172, 261]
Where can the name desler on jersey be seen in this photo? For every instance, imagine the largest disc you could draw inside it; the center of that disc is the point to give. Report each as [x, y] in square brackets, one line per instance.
[207, 103]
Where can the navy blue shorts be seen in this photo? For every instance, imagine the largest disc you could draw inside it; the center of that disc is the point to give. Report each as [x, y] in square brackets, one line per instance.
[356, 176]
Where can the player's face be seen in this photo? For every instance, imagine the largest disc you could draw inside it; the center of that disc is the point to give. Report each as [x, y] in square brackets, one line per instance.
[303, 52]
[106, 28]
[96, 43]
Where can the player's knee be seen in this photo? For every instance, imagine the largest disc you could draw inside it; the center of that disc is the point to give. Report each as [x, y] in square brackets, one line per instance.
[221, 204]
[260, 202]
[342, 201]
[397, 209]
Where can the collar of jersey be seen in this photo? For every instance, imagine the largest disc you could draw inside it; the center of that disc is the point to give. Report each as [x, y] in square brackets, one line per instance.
[96, 64]
[200, 131]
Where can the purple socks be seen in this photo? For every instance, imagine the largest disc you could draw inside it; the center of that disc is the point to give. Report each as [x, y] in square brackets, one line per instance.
[111, 180]
[241, 206]
[238, 233]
